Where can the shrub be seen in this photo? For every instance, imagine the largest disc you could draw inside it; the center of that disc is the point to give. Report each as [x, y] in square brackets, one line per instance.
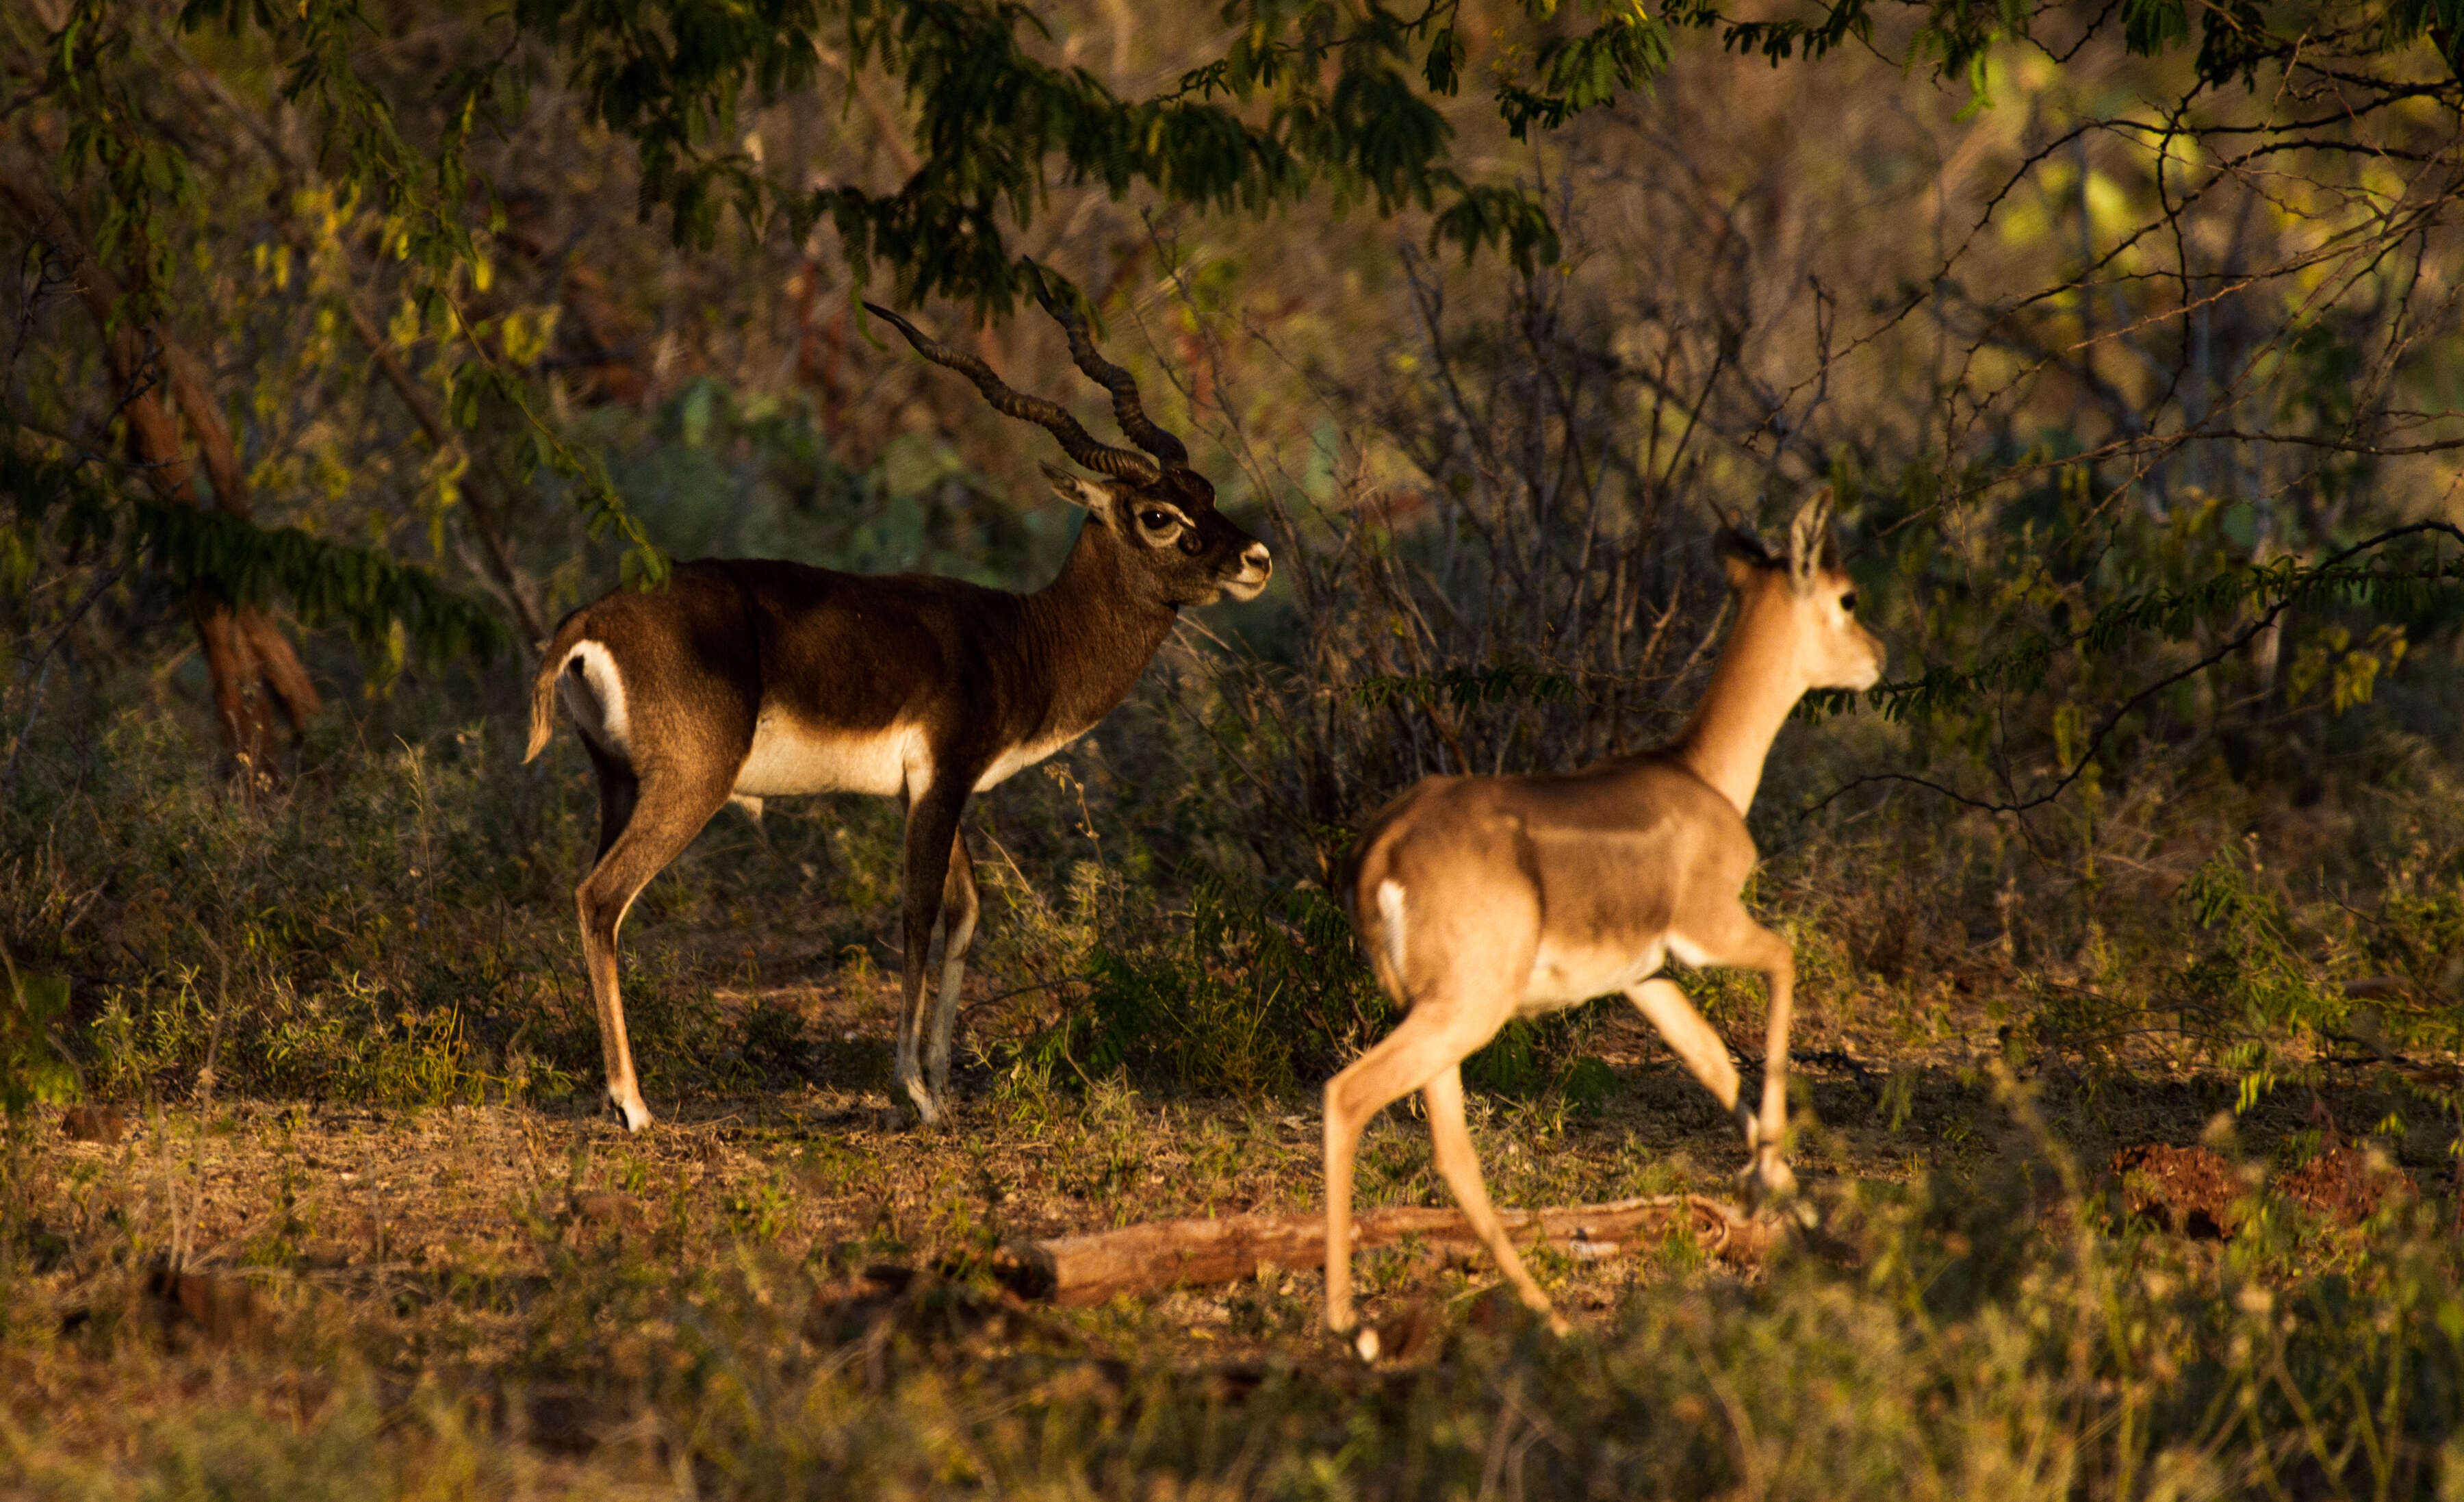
[1254, 991]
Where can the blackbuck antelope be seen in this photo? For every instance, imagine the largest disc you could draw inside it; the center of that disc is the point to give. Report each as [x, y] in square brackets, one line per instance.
[1483, 898]
[753, 679]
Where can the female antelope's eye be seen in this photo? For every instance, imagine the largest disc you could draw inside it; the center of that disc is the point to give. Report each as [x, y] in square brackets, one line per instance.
[1848, 603]
[1156, 520]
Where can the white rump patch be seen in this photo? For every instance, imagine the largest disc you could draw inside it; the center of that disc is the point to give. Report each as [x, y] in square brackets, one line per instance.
[597, 704]
[792, 757]
[1390, 911]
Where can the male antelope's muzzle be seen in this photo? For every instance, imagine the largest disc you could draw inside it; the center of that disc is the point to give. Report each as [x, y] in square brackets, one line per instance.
[1257, 567]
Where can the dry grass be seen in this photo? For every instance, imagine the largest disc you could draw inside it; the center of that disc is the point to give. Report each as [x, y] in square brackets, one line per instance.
[504, 1301]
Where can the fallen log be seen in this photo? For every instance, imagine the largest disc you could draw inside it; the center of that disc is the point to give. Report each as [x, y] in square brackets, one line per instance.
[1156, 1256]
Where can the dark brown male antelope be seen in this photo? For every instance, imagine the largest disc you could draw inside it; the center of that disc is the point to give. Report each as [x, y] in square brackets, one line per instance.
[1483, 898]
[751, 678]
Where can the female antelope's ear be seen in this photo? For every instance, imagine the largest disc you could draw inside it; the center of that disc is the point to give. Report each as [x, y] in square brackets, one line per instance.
[1742, 555]
[1096, 495]
[1811, 546]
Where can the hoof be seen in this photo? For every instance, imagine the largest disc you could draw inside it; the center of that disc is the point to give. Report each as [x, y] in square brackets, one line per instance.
[630, 1115]
[1366, 1343]
[1765, 1182]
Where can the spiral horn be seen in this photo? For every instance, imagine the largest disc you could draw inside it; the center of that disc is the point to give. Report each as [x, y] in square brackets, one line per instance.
[1127, 409]
[1075, 440]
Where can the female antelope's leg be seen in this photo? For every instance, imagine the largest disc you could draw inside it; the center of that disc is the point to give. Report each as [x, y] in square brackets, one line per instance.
[1702, 1049]
[1432, 1038]
[1779, 966]
[1746, 944]
[1459, 1165]
[959, 907]
[931, 832]
[667, 813]
[1772, 1141]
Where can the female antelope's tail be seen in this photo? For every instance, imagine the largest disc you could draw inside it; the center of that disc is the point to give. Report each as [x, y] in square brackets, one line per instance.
[1372, 895]
[1386, 942]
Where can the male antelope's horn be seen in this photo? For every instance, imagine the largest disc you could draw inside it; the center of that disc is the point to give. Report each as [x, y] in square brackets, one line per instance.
[1075, 441]
[1126, 410]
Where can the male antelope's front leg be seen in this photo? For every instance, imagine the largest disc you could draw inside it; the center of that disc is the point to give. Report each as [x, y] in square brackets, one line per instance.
[959, 907]
[931, 828]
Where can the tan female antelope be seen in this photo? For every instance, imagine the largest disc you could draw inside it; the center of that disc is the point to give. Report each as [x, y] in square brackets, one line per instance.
[1483, 898]
[751, 678]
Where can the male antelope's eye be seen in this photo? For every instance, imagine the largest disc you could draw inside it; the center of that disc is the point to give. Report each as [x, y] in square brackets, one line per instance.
[1156, 520]
[1848, 603]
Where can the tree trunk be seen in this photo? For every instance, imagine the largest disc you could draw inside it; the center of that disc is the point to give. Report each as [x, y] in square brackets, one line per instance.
[253, 671]
[1161, 1255]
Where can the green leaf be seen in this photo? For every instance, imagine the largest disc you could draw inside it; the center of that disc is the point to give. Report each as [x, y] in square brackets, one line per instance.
[33, 1071]
[362, 590]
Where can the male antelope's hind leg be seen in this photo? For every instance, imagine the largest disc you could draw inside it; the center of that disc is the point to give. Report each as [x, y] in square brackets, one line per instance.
[959, 907]
[619, 790]
[1459, 1165]
[1433, 1038]
[666, 813]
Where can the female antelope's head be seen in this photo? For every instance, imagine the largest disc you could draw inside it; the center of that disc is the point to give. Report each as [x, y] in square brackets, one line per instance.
[1804, 596]
[1159, 511]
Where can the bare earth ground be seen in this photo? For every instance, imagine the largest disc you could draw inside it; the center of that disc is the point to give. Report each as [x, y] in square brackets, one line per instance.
[783, 1293]
[385, 1209]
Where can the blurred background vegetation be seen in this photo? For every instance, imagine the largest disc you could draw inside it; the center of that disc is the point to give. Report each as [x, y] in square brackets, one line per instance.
[344, 345]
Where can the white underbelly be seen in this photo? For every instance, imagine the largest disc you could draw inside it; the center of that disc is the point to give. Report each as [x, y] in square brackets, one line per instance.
[1020, 756]
[1562, 976]
[788, 758]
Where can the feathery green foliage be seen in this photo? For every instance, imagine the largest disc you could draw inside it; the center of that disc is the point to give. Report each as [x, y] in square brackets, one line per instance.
[364, 591]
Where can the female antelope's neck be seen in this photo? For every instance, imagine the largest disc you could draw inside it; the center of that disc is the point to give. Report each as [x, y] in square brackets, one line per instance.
[1753, 685]
[1092, 632]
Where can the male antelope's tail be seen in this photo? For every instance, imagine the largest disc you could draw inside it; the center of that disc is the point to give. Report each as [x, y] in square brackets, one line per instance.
[543, 684]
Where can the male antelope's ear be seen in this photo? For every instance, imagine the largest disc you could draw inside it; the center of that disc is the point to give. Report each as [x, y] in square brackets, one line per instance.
[1079, 491]
[1811, 545]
